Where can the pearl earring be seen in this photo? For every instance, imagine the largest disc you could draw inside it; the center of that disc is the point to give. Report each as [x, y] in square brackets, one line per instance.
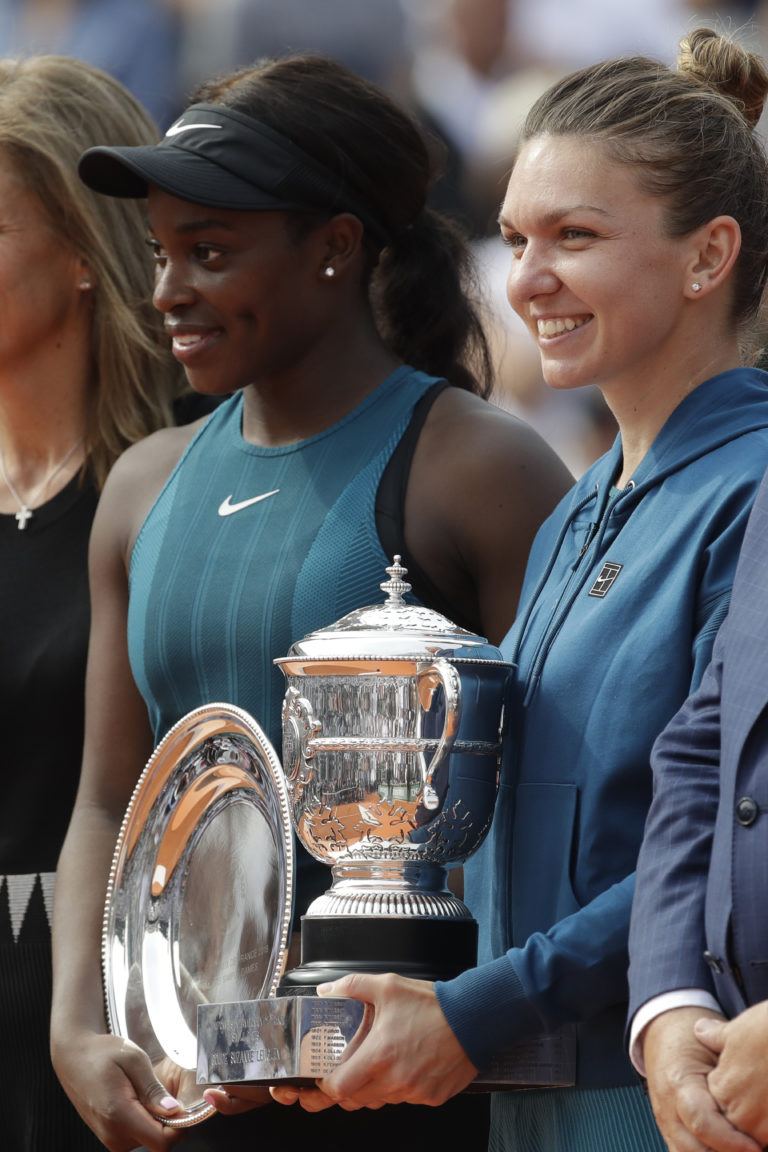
[329, 271]
[696, 287]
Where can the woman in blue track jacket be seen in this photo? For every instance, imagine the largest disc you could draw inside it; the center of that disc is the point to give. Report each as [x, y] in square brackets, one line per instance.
[637, 218]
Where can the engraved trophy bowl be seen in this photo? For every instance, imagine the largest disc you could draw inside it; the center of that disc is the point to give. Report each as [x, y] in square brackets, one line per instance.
[391, 746]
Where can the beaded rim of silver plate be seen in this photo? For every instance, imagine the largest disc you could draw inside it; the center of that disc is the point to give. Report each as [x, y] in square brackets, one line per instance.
[199, 899]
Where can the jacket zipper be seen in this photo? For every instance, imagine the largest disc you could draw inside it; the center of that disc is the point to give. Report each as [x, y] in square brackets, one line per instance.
[594, 536]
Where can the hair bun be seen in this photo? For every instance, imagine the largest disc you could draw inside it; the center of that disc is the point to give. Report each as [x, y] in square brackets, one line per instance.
[719, 62]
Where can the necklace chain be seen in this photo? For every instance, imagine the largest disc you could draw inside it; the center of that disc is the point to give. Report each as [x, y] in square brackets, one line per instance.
[25, 512]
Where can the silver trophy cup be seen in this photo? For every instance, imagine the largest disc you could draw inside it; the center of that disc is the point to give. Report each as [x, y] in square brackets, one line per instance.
[391, 747]
[391, 743]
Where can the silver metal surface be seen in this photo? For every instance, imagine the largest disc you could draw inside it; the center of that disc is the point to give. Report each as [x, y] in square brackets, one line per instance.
[288, 1038]
[383, 631]
[391, 745]
[199, 899]
[301, 1038]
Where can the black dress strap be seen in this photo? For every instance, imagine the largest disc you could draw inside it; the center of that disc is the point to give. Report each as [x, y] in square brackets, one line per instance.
[390, 510]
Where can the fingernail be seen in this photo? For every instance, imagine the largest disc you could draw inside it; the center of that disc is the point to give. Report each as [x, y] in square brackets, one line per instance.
[326, 989]
[169, 1103]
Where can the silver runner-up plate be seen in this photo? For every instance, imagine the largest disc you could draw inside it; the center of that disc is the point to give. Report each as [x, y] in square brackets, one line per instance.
[199, 899]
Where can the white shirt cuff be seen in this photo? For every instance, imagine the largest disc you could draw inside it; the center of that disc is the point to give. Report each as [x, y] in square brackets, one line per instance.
[681, 998]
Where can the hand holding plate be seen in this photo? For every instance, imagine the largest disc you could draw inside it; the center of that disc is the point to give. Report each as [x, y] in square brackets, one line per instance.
[112, 1084]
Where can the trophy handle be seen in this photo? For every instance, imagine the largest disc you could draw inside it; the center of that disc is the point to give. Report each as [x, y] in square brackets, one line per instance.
[440, 673]
[300, 730]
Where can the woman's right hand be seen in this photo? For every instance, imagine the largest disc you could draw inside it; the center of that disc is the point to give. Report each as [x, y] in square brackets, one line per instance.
[112, 1084]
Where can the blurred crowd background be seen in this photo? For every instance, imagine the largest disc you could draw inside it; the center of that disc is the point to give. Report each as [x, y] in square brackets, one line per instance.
[469, 69]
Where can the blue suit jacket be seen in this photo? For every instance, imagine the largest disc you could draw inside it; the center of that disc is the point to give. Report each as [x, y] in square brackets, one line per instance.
[700, 914]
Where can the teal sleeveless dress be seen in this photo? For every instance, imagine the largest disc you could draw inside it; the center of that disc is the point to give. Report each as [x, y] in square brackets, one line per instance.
[214, 598]
[248, 549]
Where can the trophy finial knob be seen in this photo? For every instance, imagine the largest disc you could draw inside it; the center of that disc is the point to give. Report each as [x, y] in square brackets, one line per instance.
[396, 587]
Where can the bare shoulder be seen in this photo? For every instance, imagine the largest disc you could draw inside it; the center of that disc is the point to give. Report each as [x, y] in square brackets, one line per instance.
[470, 443]
[154, 457]
[135, 482]
[481, 483]
[480, 434]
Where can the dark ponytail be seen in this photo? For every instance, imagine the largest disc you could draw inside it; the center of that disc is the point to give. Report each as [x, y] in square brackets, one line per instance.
[420, 295]
[421, 279]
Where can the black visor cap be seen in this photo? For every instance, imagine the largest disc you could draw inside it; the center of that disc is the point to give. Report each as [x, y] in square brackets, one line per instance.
[222, 158]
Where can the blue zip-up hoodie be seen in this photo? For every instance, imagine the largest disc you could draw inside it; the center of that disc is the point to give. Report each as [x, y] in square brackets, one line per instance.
[623, 595]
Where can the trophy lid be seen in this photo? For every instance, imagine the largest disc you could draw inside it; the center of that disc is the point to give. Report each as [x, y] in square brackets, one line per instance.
[392, 629]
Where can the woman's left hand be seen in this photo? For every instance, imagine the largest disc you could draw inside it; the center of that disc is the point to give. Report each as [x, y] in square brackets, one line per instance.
[409, 1055]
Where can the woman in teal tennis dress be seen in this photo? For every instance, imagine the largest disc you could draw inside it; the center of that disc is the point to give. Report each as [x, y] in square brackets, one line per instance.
[301, 274]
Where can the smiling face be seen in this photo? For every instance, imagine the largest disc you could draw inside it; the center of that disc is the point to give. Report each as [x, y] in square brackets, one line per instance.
[241, 295]
[593, 274]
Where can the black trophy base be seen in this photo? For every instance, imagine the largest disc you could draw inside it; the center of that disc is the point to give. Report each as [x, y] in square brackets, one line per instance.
[336, 946]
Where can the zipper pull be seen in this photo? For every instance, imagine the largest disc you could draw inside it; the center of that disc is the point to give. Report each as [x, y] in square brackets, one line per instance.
[587, 541]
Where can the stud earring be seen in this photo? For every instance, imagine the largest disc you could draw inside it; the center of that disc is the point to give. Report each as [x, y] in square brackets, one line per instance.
[329, 271]
[696, 287]
[85, 284]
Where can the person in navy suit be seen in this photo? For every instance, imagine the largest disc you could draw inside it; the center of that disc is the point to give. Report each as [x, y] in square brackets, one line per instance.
[699, 935]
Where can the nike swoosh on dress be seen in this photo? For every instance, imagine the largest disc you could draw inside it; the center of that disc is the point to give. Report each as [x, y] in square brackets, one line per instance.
[227, 508]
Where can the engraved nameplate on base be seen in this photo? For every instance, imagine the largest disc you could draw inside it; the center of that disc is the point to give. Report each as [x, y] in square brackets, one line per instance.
[296, 1038]
[301, 1038]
